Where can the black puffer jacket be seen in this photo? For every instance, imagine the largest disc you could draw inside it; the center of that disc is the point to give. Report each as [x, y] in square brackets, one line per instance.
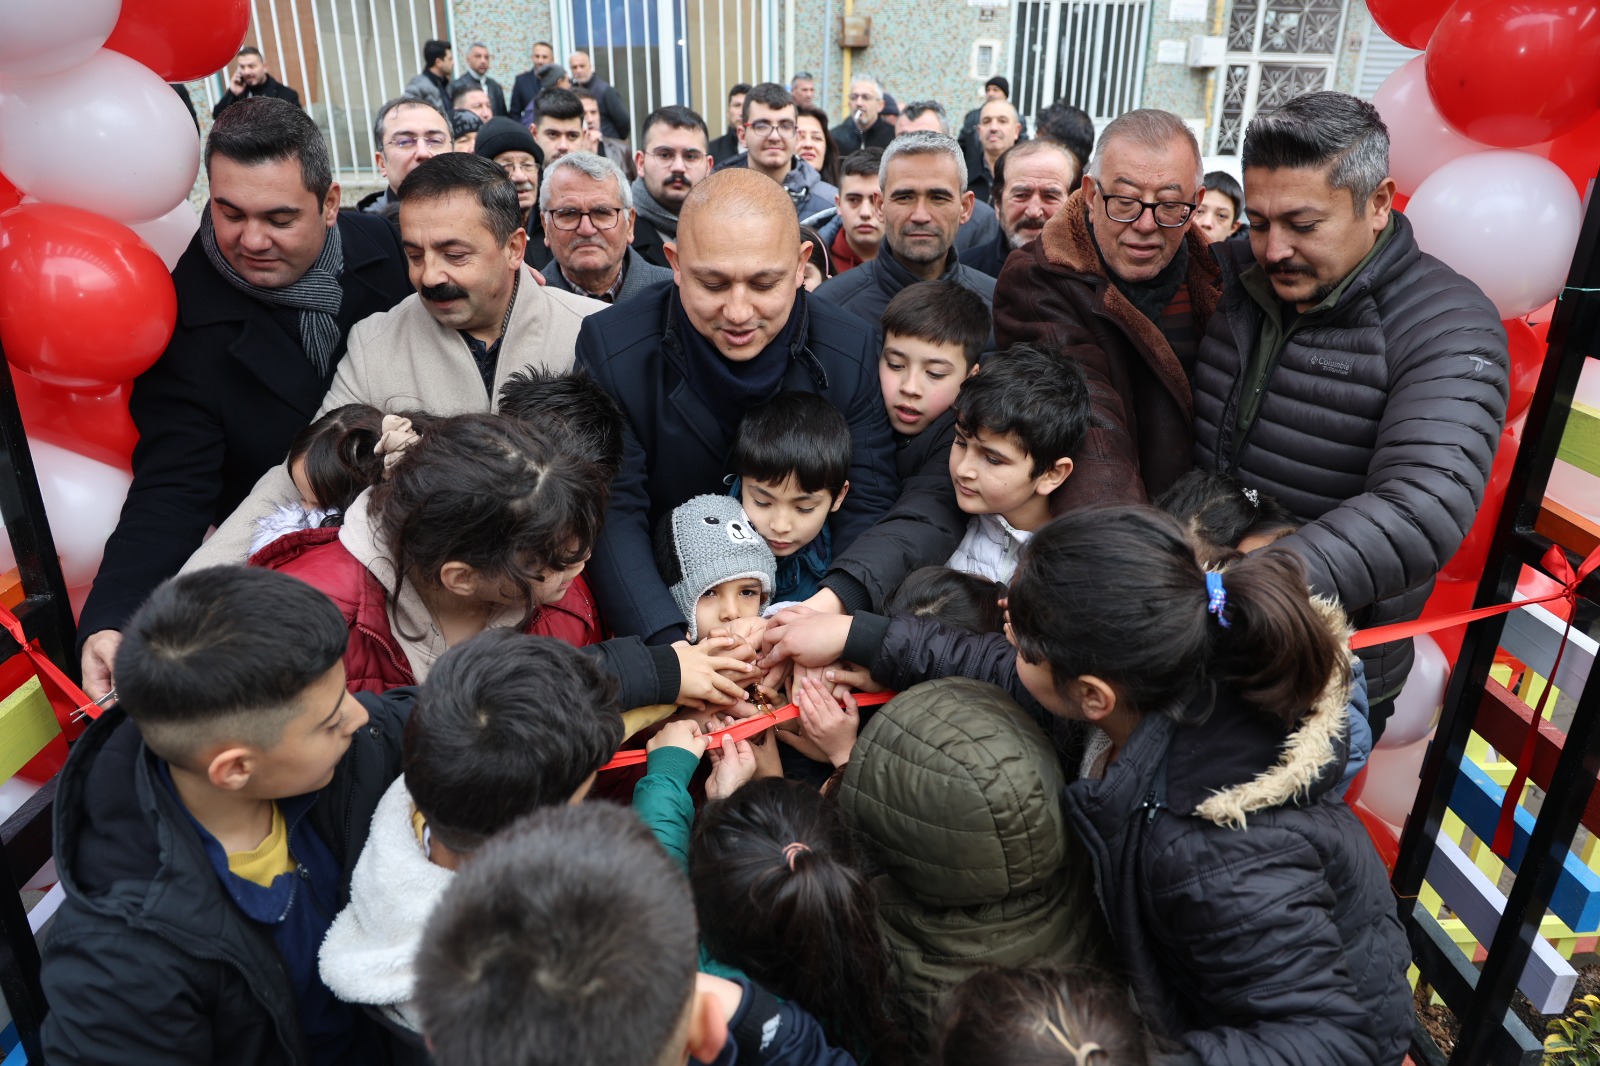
[1377, 428]
[1249, 908]
[148, 959]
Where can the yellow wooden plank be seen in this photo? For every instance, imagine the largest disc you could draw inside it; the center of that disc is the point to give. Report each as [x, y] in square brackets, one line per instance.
[27, 724]
[1580, 444]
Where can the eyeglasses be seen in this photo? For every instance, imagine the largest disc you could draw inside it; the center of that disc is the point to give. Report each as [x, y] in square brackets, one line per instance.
[405, 142]
[762, 128]
[570, 218]
[665, 156]
[520, 167]
[863, 96]
[1169, 214]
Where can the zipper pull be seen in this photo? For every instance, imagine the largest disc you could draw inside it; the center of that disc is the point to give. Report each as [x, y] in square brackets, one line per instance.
[1150, 806]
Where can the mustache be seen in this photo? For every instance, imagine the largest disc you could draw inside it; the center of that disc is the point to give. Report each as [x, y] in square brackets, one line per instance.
[1289, 268]
[442, 292]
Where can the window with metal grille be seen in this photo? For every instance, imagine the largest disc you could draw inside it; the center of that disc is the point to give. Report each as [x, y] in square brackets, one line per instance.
[1088, 53]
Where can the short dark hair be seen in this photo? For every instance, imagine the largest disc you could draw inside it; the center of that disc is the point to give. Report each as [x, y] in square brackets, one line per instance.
[862, 163]
[568, 938]
[738, 88]
[1225, 183]
[546, 44]
[1024, 1017]
[467, 172]
[462, 89]
[572, 405]
[264, 129]
[954, 597]
[250, 50]
[433, 51]
[768, 94]
[560, 104]
[818, 256]
[504, 724]
[1071, 126]
[224, 655]
[1324, 129]
[1041, 399]
[582, 94]
[797, 433]
[940, 312]
[381, 122]
[674, 116]
[917, 108]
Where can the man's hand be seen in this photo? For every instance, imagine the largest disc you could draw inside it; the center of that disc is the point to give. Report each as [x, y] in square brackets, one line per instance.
[825, 600]
[99, 657]
[808, 637]
[708, 675]
[733, 765]
[827, 724]
[236, 84]
[684, 733]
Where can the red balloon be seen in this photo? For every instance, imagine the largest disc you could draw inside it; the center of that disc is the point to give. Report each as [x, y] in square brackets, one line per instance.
[1411, 22]
[10, 195]
[181, 40]
[1577, 152]
[96, 424]
[1527, 359]
[1512, 75]
[1352, 792]
[84, 303]
[1400, 201]
[1384, 839]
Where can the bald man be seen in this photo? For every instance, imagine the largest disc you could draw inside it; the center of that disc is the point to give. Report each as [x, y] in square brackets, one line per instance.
[686, 360]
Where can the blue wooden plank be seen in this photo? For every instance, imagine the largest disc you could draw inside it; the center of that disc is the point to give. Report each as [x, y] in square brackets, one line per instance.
[8, 1038]
[1477, 799]
[18, 1057]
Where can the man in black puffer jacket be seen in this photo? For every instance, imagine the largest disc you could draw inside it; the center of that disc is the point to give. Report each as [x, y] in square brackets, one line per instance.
[1357, 379]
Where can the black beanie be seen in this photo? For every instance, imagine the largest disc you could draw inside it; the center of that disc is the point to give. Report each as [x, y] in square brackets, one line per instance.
[501, 134]
[999, 82]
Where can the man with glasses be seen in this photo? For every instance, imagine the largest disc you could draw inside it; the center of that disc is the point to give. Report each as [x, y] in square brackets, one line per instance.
[1118, 282]
[407, 131]
[587, 206]
[509, 145]
[674, 159]
[769, 139]
[1032, 180]
[1355, 378]
[865, 126]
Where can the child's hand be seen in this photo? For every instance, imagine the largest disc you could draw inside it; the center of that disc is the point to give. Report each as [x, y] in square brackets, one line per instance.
[733, 766]
[684, 733]
[848, 676]
[827, 724]
[808, 637]
[707, 676]
[751, 631]
[765, 748]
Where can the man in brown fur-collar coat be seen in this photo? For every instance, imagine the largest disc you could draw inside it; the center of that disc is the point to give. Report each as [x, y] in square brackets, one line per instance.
[1120, 282]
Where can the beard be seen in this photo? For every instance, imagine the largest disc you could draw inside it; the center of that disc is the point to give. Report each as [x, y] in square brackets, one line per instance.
[1023, 234]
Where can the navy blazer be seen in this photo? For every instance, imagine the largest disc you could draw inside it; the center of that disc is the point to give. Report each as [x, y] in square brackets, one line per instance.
[674, 447]
[220, 406]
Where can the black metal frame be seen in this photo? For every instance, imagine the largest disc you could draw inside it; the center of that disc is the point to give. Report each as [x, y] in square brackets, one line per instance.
[46, 616]
[1480, 997]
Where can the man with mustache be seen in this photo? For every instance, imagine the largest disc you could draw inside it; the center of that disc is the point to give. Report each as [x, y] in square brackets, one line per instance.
[676, 156]
[477, 316]
[509, 144]
[1032, 181]
[1353, 377]
[1118, 282]
[587, 207]
[923, 179]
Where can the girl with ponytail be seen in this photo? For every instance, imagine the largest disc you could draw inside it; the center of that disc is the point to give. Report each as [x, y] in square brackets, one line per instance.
[1209, 720]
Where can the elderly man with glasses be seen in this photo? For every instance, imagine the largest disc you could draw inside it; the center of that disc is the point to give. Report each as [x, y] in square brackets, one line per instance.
[769, 138]
[1121, 282]
[587, 206]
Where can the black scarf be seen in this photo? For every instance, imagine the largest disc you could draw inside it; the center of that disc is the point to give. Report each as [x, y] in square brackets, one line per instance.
[316, 294]
[727, 387]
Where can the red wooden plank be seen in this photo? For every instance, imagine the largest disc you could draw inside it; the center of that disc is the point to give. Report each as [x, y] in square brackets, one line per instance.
[1503, 721]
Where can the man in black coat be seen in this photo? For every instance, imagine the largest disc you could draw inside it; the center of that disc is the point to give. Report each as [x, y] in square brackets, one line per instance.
[528, 85]
[267, 293]
[250, 79]
[476, 76]
[865, 126]
[1355, 378]
[685, 362]
[614, 120]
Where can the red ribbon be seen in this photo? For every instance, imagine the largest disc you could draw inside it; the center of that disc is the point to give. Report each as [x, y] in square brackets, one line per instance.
[68, 700]
[744, 729]
[1555, 563]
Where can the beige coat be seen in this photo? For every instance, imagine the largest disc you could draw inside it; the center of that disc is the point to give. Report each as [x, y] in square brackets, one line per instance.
[404, 359]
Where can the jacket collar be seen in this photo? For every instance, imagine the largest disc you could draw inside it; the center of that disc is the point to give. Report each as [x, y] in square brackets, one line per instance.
[893, 275]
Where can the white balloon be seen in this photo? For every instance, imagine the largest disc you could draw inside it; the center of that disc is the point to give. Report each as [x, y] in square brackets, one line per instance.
[43, 38]
[1506, 219]
[82, 499]
[169, 235]
[1420, 140]
[107, 136]
[1417, 708]
[1393, 775]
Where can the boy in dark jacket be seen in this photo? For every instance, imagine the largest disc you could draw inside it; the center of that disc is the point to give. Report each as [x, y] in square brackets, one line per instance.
[577, 917]
[205, 832]
[933, 335]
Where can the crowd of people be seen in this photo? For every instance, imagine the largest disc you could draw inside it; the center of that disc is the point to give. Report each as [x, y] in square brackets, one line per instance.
[1045, 475]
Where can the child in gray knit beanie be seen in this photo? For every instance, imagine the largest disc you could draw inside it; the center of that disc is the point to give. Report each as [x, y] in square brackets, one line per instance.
[717, 565]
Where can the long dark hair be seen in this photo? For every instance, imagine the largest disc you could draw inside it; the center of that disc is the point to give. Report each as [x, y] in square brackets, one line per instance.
[1116, 592]
[1036, 1017]
[830, 148]
[338, 453]
[779, 892]
[491, 492]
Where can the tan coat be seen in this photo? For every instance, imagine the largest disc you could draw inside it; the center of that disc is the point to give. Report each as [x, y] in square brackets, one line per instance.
[404, 359]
